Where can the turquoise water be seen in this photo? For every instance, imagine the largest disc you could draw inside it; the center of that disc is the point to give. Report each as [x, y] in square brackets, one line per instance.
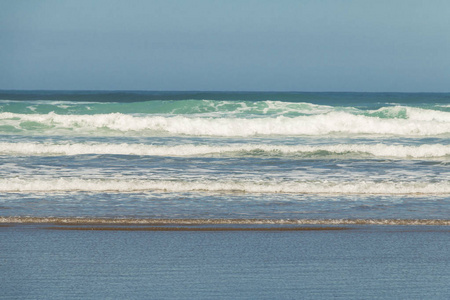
[225, 155]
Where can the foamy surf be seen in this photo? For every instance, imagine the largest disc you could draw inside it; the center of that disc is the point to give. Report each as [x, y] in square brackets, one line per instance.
[12, 185]
[371, 150]
[340, 123]
[165, 154]
[187, 222]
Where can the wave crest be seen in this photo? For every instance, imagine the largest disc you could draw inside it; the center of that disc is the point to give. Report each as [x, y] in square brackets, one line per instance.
[334, 123]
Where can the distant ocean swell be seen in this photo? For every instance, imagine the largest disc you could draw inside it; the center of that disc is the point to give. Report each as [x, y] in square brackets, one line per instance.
[223, 108]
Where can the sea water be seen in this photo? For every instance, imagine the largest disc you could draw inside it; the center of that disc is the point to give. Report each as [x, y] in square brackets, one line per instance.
[200, 195]
[377, 157]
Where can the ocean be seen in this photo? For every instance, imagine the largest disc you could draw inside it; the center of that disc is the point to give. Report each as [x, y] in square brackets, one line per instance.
[228, 195]
[241, 156]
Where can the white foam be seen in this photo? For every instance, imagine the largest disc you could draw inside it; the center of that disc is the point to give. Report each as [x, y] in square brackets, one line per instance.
[420, 114]
[216, 221]
[340, 123]
[376, 150]
[298, 187]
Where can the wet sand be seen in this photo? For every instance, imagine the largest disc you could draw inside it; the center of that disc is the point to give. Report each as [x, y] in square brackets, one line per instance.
[73, 261]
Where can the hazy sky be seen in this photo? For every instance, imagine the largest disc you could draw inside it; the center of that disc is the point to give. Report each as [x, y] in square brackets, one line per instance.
[277, 45]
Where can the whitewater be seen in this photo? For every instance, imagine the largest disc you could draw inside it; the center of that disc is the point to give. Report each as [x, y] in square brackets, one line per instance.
[237, 155]
[414, 122]
[356, 150]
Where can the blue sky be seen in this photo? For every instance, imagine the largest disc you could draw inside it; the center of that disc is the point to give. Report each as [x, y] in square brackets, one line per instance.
[226, 45]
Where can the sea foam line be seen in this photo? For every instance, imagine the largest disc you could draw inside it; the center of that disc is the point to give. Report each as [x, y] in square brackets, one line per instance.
[211, 186]
[376, 150]
[323, 124]
[194, 221]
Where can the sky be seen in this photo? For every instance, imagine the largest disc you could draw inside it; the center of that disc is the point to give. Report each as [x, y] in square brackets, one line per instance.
[226, 45]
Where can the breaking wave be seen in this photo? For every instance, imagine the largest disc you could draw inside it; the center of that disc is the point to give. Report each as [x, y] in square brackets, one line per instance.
[340, 123]
[269, 187]
[375, 150]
